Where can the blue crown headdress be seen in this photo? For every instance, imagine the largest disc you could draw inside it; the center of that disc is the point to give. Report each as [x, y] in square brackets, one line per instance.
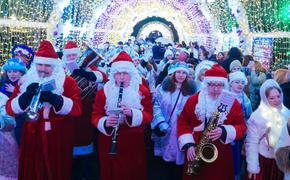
[181, 66]
[23, 52]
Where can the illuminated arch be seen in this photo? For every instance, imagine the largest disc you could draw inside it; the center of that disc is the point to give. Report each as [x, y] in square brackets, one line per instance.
[119, 18]
[163, 22]
[114, 20]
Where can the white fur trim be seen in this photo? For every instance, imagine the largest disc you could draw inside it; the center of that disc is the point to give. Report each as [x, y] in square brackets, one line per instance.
[185, 139]
[101, 126]
[66, 107]
[181, 68]
[46, 60]
[71, 51]
[238, 75]
[122, 66]
[137, 118]
[15, 106]
[231, 133]
[46, 111]
[214, 78]
[99, 76]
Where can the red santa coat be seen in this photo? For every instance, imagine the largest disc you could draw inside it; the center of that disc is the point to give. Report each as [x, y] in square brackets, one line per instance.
[47, 144]
[223, 167]
[84, 130]
[130, 161]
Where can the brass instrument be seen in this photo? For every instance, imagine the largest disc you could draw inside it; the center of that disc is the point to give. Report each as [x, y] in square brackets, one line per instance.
[205, 150]
[120, 115]
[87, 88]
[32, 114]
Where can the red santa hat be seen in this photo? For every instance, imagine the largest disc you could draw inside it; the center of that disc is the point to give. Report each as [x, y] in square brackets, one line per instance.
[46, 54]
[216, 73]
[71, 47]
[122, 63]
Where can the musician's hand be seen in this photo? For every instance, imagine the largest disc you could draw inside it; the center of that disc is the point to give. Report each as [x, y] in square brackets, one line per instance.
[126, 110]
[9, 87]
[86, 74]
[26, 97]
[215, 134]
[112, 120]
[252, 176]
[191, 153]
[54, 99]
[32, 89]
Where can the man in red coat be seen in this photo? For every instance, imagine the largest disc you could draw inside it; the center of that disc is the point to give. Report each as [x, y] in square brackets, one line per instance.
[134, 104]
[47, 143]
[196, 115]
[84, 129]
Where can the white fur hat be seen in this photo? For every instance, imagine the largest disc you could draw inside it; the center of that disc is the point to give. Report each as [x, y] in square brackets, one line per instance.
[238, 75]
[168, 52]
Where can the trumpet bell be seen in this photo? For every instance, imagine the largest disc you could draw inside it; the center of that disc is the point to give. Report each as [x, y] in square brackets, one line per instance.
[32, 116]
[209, 153]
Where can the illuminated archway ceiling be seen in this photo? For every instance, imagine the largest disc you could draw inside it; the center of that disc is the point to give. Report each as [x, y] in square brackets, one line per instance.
[123, 24]
[117, 21]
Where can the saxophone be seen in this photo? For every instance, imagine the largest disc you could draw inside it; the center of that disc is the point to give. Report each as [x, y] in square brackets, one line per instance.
[205, 150]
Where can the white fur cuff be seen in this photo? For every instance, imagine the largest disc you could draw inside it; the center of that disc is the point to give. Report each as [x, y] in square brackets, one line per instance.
[185, 139]
[137, 118]
[101, 126]
[15, 106]
[66, 107]
[231, 133]
[99, 76]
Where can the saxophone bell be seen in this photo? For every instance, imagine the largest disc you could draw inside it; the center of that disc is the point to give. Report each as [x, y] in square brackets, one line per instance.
[209, 153]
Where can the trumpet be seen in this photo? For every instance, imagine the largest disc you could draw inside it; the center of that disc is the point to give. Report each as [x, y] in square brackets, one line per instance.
[32, 114]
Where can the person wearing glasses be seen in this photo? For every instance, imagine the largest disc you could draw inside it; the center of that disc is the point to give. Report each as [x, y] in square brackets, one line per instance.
[197, 114]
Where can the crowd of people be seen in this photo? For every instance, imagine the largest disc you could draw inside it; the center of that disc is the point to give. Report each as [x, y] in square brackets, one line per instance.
[142, 111]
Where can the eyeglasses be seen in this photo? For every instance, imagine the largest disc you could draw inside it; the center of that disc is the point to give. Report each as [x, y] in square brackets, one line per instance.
[218, 85]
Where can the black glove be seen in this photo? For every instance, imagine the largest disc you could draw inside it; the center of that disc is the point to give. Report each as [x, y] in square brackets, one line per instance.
[143, 63]
[83, 73]
[157, 130]
[25, 99]
[55, 100]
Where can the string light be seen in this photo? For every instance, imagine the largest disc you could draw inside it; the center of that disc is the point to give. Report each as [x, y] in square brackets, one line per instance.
[9, 36]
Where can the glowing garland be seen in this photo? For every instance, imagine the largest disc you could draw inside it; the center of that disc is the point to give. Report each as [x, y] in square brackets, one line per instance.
[192, 12]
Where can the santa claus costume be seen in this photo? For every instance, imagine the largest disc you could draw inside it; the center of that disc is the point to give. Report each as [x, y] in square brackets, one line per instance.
[47, 143]
[130, 161]
[84, 129]
[198, 109]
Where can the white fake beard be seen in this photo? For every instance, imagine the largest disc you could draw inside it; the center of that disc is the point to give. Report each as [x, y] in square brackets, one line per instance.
[131, 97]
[31, 76]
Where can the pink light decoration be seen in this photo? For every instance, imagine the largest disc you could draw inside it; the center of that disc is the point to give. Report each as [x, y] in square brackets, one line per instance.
[192, 12]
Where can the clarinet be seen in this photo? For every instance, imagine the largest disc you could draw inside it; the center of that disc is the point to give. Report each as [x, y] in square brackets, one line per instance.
[115, 133]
